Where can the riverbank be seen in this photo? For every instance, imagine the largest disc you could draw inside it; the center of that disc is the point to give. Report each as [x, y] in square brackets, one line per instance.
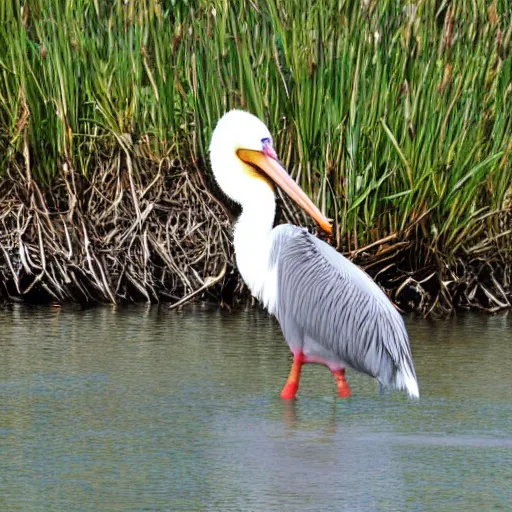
[159, 234]
[395, 120]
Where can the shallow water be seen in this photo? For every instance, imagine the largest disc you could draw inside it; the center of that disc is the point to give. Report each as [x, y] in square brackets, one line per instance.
[145, 409]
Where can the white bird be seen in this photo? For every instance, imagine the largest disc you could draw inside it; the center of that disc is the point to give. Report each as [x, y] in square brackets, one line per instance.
[330, 311]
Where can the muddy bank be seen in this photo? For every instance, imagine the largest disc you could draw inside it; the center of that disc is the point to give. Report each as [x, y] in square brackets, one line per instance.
[137, 231]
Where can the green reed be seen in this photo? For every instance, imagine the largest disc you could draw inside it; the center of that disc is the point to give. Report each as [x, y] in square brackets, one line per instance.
[394, 116]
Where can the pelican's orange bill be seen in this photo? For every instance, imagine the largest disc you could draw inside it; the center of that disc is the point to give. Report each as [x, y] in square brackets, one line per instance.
[274, 170]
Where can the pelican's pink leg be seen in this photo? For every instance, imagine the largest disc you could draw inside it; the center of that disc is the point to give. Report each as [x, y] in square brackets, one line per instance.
[292, 384]
[341, 383]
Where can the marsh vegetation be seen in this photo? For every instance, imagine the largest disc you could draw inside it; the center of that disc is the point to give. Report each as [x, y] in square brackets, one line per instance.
[393, 116]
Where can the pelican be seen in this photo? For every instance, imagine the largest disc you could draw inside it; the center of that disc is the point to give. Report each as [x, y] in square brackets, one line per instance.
[330, 311]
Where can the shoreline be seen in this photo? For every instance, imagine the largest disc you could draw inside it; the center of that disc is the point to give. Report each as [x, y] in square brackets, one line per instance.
[162, 236]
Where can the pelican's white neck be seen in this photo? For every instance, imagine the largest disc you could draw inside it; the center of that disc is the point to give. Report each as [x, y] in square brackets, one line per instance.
[258, 213]
[252, 233]
[253, 227]
[253, 244]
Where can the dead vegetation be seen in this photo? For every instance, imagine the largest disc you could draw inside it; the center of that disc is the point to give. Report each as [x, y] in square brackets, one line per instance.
[134, 231]
[139, 231]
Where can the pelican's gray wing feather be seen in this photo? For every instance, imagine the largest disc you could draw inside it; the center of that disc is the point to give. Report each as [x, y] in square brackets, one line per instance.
[324, 296]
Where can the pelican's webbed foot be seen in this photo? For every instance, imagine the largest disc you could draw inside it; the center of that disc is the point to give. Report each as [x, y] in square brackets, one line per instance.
[292, 384]
[341, 383]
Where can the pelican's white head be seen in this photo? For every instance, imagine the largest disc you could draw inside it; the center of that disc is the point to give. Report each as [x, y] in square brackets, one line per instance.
[238, 130]
[245, 165]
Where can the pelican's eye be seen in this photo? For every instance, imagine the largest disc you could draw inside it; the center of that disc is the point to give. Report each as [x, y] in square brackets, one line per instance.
[267, 148]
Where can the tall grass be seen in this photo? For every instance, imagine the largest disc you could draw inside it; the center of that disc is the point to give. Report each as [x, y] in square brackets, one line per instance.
[394, 116]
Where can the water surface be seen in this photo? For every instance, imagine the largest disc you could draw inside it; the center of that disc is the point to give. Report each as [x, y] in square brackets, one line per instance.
[145, 409]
